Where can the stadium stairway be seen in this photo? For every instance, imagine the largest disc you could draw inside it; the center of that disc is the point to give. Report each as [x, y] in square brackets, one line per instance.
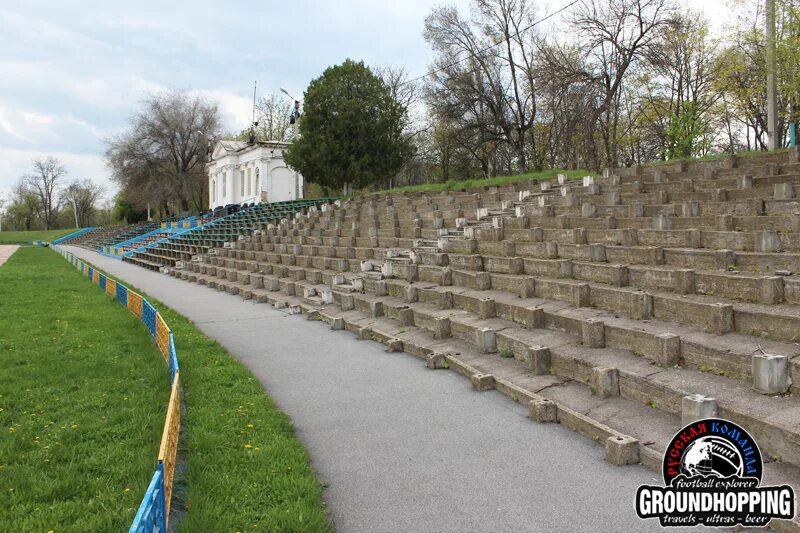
[620, 306]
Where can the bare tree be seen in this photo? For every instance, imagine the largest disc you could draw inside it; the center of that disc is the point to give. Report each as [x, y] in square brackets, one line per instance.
[161, 158]
[82, 196]
[493, 85]
[611, 36]
[272, 114]
[23, 207]
[43, 183]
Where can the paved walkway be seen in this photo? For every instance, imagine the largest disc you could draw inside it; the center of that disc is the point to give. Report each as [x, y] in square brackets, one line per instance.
[402, 448]
[6, 251]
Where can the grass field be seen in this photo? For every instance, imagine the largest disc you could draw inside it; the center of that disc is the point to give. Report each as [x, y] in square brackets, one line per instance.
[24, 237]
[245, 470]
[83, 392]
[453, 185]
[82, 397]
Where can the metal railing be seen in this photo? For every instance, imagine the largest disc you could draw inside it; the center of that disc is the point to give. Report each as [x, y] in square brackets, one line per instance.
[153, 513]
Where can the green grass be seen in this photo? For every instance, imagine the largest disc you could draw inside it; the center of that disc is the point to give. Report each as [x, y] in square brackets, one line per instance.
[83, 392]
[244, 468]
[452, 185]
[246, 471]
[717, 157]
[25, 237]
[97, 408]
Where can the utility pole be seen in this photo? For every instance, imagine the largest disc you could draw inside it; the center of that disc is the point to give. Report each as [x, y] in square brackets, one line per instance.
[772, 112]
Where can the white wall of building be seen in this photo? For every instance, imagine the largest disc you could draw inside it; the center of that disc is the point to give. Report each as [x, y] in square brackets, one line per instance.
[239, 173]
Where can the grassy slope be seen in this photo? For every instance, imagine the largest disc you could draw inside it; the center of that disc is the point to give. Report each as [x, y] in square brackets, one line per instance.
[245, 470]
[499, 180]
[83, 392]
[24, 237]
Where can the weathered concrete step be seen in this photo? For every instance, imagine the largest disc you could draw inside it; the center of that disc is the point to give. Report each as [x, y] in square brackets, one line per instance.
[574, 404]
[730, 354]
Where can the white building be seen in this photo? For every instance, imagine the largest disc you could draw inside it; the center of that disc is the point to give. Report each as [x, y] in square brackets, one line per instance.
[242, 173]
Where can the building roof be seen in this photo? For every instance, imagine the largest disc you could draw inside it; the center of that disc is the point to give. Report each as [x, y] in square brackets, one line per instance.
[224, 148]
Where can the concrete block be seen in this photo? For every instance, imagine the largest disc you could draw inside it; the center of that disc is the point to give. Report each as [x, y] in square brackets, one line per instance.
[783, 191]
[327, 296]
[659, 176]
[593, 333]
[597, 253]
[636, 210]
[581, 294]
[756, 207]
[622, 450]
[394, 345]
[364, 334]
[605, 382]
[685, 281]
[486, 308]
[411, 294]
[435, 361]
[375, 309]
[767, 241]
[538, 359]
[725, 223]
[381, 288]
[579, 236]
[744, 182]
[444, 300]
[273, 284]
[721, 318]
[719, 195]
[588, 210]
[482, 382]
[620, 276]
[530, 317]
[347, 302]
[565, 267]
[543, 410]
[309, 292]
[772, 290]
[662, 222]
[485, 340]
[669, 349]
[771, 373]
[690, 209]
[337, 323]
[724, 259]
[696, 407]
[405, 316]
[441, 327]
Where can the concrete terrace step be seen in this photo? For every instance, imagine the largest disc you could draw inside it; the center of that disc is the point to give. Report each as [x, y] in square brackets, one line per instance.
[638, 378]
[576, 403]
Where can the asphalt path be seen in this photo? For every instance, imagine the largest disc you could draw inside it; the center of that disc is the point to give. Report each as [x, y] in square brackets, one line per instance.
[402, 448]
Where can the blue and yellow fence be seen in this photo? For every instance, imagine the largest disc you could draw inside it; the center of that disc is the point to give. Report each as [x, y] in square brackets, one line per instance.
[153, 513]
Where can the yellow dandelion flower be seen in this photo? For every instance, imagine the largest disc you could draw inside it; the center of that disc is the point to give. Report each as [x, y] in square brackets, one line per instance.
[248, 446]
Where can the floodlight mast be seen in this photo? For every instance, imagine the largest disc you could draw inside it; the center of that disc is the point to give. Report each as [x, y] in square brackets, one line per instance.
[294, 118]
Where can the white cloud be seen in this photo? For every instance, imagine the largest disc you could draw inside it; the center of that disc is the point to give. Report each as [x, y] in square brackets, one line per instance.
[16, 163]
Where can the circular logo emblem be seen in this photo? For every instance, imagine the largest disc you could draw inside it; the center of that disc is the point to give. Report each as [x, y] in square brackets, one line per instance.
[712, 448]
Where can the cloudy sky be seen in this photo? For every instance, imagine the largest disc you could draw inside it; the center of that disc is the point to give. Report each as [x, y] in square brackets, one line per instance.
[74, 72]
